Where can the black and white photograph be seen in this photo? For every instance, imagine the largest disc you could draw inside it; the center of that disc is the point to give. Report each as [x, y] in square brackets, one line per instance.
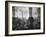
[24, 18]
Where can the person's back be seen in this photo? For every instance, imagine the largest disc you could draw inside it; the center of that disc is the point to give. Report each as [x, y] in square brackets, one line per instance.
[30, 22]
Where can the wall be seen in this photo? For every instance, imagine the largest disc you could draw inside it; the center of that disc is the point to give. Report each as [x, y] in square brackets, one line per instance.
[2, 19]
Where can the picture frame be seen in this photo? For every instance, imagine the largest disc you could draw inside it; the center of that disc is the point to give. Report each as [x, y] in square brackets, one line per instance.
[29, 9]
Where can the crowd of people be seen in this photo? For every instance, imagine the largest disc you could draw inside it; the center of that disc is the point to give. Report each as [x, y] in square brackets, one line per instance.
[31, 23]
